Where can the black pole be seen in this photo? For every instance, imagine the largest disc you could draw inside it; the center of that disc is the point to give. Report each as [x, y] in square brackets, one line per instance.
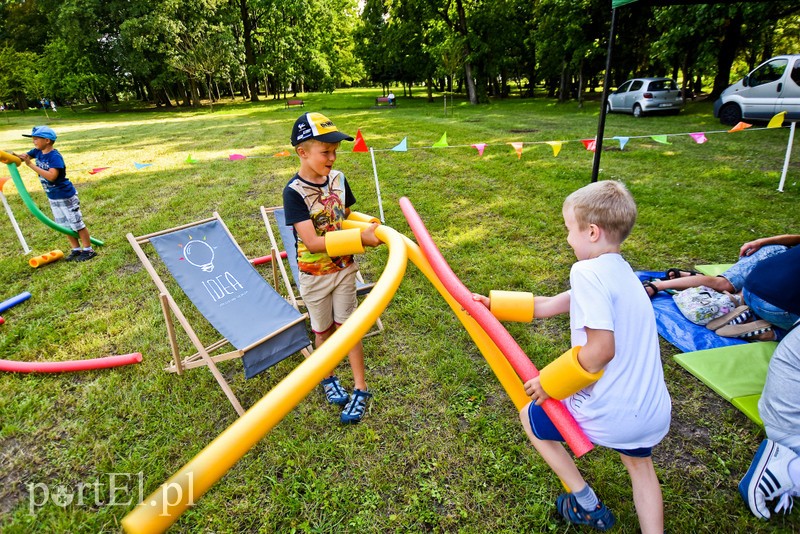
[601, 124]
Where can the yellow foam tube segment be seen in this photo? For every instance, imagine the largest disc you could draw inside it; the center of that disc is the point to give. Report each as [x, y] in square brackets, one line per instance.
[5, 157]
[511, 305]
[51, 256]
[362, 217]
[166, 504]
[343, 242]
[564, 376]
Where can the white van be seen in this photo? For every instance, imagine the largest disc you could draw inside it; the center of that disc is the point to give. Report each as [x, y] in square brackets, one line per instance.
[772, 87]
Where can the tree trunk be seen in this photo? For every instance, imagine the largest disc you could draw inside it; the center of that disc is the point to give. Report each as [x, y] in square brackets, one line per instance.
[249, 54]
[731, 41]
[429, 86]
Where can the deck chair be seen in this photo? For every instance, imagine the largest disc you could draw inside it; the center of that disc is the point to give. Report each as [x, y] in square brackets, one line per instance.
[214, 274]
[276, 215]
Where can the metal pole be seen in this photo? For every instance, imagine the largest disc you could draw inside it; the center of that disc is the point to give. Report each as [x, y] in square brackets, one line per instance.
[601, 124]
[377, 185]
[22, 241]
[788, 155]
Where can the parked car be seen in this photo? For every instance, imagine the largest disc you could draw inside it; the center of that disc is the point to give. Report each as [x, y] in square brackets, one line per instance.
[772, 87]
[646, 95]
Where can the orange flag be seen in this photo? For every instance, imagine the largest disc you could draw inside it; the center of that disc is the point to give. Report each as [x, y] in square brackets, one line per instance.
[361, 145]
[281, 154]
[739, 127]
[518, 147]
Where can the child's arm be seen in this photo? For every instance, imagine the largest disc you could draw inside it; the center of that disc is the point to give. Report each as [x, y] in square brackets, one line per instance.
[50, 174]
[593, 357]
[316, 243]
[542, 306]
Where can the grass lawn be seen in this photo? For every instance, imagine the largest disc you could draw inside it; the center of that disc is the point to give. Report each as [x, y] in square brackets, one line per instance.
[441, 449]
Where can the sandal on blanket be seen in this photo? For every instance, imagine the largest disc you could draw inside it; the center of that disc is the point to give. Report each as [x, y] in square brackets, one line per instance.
[648, 285]
[749, 330]
[674, 273]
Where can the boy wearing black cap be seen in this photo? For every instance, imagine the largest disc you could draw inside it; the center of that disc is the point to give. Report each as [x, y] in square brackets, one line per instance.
[316, 201]
[63, 197]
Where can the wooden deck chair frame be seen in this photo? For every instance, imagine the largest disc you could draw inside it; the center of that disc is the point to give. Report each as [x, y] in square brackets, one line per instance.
[169, 307]
[279, 268]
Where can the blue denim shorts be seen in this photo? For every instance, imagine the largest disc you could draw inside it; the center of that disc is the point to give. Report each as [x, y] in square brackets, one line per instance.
[543, 428]
[768, 312]
[744, 266]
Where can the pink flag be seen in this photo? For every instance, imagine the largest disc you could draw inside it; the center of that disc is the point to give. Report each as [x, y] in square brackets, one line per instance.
[98, 169]
[235, 157]
[480, 147]
[590, 144]
[699, 137]
[518, 147]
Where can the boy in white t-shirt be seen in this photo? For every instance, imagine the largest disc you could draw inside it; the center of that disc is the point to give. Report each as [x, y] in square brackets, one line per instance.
[612, 380]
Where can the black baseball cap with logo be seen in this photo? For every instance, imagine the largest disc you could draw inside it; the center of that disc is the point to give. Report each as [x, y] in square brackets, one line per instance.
[316, 126]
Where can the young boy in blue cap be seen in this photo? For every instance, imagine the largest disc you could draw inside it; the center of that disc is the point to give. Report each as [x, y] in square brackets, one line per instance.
[63, 197]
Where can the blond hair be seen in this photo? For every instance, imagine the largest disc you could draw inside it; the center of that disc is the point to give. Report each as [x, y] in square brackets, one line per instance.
[608, 204]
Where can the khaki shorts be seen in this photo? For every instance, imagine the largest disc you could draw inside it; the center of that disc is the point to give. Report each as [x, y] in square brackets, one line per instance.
[329, 298]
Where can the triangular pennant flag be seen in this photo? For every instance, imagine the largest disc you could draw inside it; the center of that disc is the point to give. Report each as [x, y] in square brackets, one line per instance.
[590, 144]
[777, 120]
[281, 154]
[235, 157]
[361, 145]
[141, 165]
[441, 143]
[480, 147]
[660, 139]
[190, 159]
[402, 146]
[518, 147]
[622, 141]
[699, 137]
[556, 147]
[739, 127]
[98, 169]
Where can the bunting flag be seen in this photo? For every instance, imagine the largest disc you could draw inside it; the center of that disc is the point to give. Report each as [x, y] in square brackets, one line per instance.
[361, 145]
[479, 147]
[281, 154]
[236, 157]
[141, 165]
[622, 141]
[402, 146]
[777, 120]
[190, 159]
[518, 147]
[556, 147]
[699, 137]
[441, 143]
[98, 169]
[739, 127]
[590, 144]
[660, 139]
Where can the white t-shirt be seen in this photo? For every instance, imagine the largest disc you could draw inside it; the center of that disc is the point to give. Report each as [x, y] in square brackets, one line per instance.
[629, 407]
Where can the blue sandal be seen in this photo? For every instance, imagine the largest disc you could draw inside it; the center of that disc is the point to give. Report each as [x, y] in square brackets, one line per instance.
[601, 518]
[355, 409]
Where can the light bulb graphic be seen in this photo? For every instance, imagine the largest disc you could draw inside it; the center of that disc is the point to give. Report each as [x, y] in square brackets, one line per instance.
[200, 254]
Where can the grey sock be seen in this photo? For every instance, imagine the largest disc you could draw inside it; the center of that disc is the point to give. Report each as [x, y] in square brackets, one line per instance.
[587, 498]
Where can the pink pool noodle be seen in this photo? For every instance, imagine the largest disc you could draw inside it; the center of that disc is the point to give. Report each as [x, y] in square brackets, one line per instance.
[75, 365]
[524, 368]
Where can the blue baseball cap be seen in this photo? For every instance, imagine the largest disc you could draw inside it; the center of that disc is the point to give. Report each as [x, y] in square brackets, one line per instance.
[45, 132]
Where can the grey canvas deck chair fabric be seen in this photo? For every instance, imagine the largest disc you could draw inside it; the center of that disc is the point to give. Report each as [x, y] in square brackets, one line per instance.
[213, 272]
[276, 216]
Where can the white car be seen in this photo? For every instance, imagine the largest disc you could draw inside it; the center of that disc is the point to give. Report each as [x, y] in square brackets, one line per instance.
[646, 95]
[772, 87]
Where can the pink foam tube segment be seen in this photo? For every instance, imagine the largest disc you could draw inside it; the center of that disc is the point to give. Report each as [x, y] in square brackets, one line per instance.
[2, 320]
[558, 414]
[266, 259]
[70, 366]
[13, 301]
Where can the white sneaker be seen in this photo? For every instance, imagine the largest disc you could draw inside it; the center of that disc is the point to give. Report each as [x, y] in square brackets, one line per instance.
[768, 478]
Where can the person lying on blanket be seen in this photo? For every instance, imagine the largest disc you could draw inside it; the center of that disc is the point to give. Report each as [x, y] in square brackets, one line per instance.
[774, 474]
[764, 280]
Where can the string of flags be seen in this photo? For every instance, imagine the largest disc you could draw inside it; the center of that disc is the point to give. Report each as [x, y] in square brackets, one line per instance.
[360, 144]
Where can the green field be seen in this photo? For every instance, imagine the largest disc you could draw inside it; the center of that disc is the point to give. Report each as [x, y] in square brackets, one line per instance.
[441, 449]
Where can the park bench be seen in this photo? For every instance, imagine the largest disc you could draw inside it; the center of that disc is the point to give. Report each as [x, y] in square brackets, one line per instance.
[385, 100]
[290, 103]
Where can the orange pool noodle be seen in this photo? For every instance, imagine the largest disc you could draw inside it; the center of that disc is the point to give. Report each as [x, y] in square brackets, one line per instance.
[51, 256]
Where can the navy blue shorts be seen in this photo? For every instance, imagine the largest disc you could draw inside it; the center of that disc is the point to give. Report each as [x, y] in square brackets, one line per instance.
[544, 429]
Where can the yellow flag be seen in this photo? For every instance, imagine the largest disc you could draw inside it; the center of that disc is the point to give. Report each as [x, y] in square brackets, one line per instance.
[777, 120]
[556, 147]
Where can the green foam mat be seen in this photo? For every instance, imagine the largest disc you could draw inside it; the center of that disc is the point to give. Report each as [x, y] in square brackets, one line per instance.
[734, 371]
[749, 406]
[713, 270]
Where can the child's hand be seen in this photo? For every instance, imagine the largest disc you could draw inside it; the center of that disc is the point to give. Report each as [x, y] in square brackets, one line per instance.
[534, 389]
[24, 157]
[368, 237]
[480, 298]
